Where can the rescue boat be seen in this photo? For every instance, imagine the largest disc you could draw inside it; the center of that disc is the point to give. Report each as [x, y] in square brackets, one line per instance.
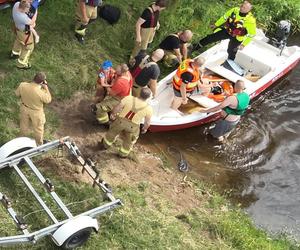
[259, 64]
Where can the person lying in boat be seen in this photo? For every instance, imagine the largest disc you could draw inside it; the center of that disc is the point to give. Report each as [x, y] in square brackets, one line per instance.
[146, 71]
[186, 80]
[231, 110]
[238, 25]
[175, 47]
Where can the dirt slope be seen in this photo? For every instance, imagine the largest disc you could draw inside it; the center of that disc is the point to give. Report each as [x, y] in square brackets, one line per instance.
[78, 122]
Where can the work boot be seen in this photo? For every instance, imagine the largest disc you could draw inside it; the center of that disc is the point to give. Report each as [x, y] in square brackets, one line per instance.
[93, 108]
[101, 146]
[79, 38]
[45, 141]
[92, 20]
[13, 56]
[25, 67]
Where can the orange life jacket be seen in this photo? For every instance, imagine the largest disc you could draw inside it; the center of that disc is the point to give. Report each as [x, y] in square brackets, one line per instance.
[226, 86]
[108, 75]
[235, 27]
[184, 67]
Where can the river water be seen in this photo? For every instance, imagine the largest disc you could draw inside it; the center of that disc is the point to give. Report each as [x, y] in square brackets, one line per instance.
[260, 162]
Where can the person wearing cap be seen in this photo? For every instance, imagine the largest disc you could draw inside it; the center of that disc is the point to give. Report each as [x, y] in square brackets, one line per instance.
[132, 112]
[146, 26]
[86, 12]
[33, 95]
[120, 87]
[231, 110]
[175, 47]
[186, 80]
[146, 71]
[106, 75]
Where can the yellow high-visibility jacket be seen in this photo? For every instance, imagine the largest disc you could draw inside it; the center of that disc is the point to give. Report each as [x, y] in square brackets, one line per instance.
[232, 19]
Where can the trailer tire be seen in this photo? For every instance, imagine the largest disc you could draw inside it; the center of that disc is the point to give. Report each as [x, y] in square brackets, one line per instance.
[77, 239]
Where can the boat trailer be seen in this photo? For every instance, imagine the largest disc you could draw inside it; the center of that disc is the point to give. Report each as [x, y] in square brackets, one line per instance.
[71, 232]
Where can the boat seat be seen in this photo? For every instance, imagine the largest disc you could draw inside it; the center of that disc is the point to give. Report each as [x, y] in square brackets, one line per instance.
[251, 64]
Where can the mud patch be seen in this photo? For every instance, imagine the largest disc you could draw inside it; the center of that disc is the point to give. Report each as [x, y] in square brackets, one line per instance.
[78, 122]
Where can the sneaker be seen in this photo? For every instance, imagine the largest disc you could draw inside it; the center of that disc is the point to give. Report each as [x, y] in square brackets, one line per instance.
[79, 38]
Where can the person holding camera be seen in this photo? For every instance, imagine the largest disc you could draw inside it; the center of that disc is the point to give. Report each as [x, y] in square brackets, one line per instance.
[33, 96]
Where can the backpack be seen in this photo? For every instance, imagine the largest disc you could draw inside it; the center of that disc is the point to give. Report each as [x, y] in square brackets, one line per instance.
[110, 13]
[137, 69]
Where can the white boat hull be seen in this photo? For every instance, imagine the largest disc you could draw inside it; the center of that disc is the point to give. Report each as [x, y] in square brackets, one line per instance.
[258, 57]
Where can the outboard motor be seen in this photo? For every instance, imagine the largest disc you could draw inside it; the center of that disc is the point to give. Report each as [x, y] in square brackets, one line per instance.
[281, 35]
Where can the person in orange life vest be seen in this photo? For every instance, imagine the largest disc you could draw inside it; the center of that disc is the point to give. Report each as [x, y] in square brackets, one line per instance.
[121, 87]
[238, 25]
[187, 79]
[231, 110]
[106, 75]
[146, 26]
[146, 71]
[132, 111]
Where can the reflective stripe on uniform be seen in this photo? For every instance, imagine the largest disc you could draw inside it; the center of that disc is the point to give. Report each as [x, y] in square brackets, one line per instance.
[106, 142]
[16, 53]
[81, 32]
[104, 118]
[124, 152]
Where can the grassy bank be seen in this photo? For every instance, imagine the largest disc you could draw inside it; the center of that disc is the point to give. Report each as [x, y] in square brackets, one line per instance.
[149, 219]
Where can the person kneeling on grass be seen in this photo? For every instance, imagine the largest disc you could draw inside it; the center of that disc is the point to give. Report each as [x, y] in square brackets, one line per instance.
[175, 47]
[133, 110]
[121, 87]
[232, 109]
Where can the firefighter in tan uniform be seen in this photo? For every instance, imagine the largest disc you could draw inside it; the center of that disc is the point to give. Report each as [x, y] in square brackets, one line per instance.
[24, 42]
[33, 96]
[121, 87]
[133, 110]
[86, 12]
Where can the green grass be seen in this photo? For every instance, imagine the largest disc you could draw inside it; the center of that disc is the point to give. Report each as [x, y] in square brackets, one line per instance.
[148, 220]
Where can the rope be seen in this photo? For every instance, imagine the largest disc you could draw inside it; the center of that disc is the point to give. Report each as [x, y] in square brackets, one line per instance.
[182, 164]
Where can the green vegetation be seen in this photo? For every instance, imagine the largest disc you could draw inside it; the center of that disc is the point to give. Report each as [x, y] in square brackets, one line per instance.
[148, 220]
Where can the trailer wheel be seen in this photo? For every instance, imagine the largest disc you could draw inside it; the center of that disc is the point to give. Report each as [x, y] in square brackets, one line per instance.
[77, 239]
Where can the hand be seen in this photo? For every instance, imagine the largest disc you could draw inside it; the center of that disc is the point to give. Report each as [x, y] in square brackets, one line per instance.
[138, 40]
[241, 47]
[37, 39]
[44, 84]
[157, 26]
[184, 101]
